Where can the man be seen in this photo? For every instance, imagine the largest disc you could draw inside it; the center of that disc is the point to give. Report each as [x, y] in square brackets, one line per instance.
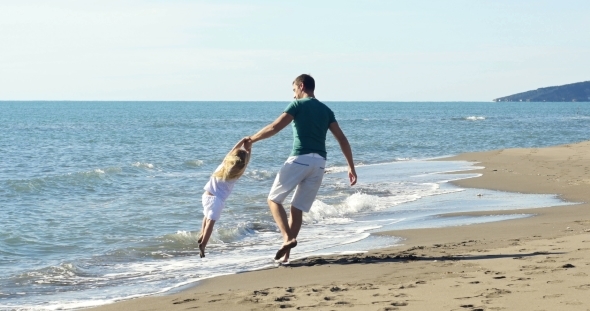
[304, 169]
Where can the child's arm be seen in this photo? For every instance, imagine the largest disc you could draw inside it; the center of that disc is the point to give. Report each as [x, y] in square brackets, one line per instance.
[237, 146]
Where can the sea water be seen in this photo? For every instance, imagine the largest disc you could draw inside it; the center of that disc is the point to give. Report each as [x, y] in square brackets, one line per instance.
[100, 201]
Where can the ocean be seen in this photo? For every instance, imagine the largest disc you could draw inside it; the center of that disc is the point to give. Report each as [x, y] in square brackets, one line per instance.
[101, 201]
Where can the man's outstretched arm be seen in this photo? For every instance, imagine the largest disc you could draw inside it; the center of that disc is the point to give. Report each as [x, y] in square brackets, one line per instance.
[346, 150]
[273, 128]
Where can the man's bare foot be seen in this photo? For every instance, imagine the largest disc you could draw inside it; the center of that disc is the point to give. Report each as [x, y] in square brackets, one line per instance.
[285, 248]
[285, 258]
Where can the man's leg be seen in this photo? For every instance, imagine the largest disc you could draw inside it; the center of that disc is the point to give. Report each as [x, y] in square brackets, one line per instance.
[295, 222]
[280, 217]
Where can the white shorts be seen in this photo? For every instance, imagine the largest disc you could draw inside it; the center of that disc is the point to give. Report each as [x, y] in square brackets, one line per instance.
[304, 173]
[212, 206]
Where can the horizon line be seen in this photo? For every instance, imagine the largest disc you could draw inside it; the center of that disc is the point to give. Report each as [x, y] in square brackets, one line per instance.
[245, 101]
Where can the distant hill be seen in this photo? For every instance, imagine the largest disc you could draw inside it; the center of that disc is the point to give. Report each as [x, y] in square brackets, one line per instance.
[575, 92]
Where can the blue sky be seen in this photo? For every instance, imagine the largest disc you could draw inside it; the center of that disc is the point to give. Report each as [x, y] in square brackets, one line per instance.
[371, 50]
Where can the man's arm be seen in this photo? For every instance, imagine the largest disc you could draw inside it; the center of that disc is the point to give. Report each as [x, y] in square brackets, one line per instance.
[346, 150]
[273, 128]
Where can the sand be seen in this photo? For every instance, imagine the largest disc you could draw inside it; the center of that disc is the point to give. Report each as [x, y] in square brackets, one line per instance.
[536, 263]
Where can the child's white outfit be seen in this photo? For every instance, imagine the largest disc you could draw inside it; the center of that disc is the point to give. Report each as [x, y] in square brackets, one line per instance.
[221, 189]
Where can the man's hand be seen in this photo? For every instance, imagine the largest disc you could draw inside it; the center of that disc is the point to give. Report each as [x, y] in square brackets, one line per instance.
[352, 176]
[247, 143]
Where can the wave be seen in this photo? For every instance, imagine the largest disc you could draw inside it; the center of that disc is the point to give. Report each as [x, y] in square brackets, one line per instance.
[579, 117]
[92, 177]
[355, 203]
[374, 197]
[340, 169]
[469, 118]
[194, 163]
[474, 118]
[221, 234]
[63, 274]
[260, 174]
[143, 165]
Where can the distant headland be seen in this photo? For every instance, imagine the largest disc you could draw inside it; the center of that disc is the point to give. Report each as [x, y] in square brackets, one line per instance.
[575, 92]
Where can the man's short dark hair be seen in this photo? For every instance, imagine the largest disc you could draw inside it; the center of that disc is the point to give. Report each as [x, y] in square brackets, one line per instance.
[307, 80]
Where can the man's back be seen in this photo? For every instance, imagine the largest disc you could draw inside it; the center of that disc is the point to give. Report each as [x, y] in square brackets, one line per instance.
[311, 120]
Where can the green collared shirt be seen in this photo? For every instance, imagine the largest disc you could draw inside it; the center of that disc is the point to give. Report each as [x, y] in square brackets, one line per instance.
[311, 120]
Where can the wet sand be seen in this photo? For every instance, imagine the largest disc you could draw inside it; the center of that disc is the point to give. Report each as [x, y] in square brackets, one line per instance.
[535, 263]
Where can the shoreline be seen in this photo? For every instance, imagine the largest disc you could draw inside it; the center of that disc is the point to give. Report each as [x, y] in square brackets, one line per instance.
[533, 263]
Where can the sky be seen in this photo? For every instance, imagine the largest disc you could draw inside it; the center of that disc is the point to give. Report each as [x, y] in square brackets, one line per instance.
[251, 50]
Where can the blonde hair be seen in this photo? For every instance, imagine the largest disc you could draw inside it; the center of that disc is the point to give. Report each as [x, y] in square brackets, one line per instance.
[234, 165]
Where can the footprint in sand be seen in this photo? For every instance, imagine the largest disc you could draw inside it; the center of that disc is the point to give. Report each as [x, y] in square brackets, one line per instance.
[183, 301]
[583, 287]
[568, 266]
[286, 306]
[574, 303]
[552, 296]
[260, 293]
[582, 274]
[284, 298]
[495, 292]
[518, 285]
[548, 259]
[399, 304]
[555, 282]
[340, 303]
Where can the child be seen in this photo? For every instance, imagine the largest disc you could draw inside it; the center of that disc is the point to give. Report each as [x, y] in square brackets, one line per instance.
[220, 186]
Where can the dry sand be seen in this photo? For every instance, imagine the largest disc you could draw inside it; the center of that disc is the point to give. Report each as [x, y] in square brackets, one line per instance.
[535, 263]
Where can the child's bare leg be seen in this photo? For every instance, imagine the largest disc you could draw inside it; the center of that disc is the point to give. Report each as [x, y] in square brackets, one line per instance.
[207, 231]
[200, 238]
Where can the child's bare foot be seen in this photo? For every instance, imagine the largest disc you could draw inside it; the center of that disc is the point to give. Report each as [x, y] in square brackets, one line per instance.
[201, 250]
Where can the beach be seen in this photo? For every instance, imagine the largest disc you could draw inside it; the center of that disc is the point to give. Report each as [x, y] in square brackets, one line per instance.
[533, 263]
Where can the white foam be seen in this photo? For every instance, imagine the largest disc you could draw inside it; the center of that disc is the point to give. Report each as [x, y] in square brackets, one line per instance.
[352, 204]
[194, 163]
[340, 169]
[474, 118]
[260, 174]
[143, 165]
